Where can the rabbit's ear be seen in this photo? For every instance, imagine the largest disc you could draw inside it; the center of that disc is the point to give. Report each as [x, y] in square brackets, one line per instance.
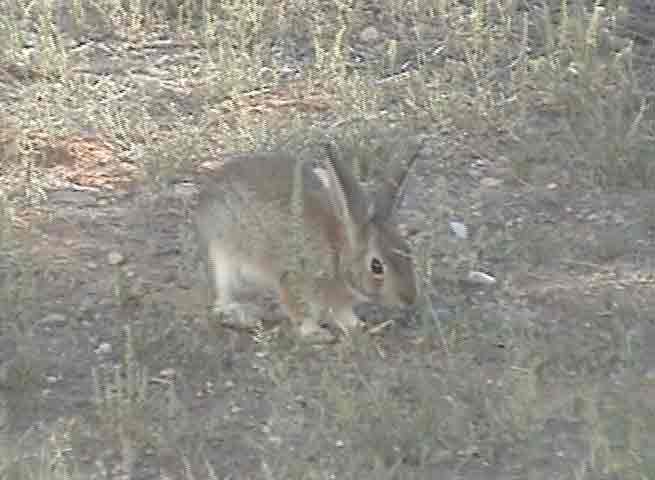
[346, 196]
[392, 191]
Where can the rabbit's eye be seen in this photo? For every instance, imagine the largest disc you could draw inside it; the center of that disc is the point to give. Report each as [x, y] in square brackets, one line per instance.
[376, 267]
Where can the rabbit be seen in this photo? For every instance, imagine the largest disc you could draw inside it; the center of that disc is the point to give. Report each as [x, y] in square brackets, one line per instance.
[340, 251]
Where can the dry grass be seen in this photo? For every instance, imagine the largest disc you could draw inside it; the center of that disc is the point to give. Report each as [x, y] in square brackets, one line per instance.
[547, 374]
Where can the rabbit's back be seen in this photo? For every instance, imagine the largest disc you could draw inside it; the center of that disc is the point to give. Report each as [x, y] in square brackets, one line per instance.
[245, 210]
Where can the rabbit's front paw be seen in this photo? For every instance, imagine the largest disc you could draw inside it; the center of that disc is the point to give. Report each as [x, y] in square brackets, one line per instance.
[311, 332]
[347, 321]
[238, 315]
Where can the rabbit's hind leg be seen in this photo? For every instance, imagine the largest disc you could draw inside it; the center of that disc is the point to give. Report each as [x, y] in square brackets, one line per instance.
[224, 273]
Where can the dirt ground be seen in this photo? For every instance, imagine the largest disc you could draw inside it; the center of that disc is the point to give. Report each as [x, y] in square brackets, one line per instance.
[111, 366]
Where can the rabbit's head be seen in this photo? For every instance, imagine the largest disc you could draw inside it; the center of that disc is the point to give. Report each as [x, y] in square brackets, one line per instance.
[374, 258]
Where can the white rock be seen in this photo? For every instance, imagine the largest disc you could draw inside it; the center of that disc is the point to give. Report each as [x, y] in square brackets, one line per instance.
[481, 278]
[54, 319]
[490, 182]
[369, 34]
[104, 348]
[459, 229]
[115, 258]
